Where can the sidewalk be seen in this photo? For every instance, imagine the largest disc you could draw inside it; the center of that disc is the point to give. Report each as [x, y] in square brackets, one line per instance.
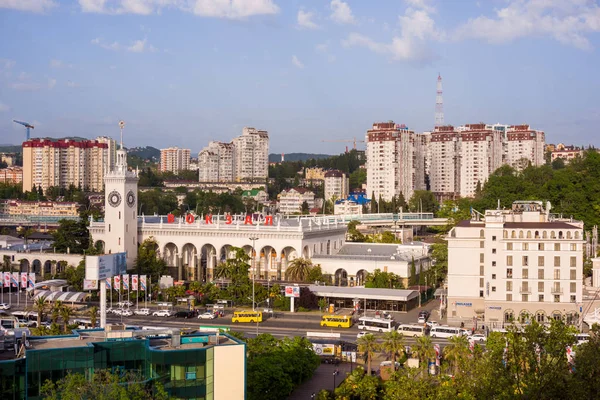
[322, 379]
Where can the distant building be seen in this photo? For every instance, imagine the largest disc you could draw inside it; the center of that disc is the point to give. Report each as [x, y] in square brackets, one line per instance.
[111, 156]
[524, 146]
[251, 155]
[11, 175]
[566, 153]
[174, 160]
[260, 196]
[336, 185]
[64, 162]
[39, 208]
[9, 158]
[314, 173]
[216, 162]
[291, 200]
[347, 207]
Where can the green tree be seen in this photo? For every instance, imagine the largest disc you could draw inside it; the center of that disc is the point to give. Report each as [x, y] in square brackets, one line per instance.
[424, 350]
[457, 351]
[299, 270]
[393, 344]
[148, 262]
[368, 345]
[71, 236]
[39, 305]
[353, 234]
[93, 315]
[74, 276]
[316, 274]
[423, 201]
[439, 257]
[66, 313]
[383, 280]
[236, 269]
[413, 279]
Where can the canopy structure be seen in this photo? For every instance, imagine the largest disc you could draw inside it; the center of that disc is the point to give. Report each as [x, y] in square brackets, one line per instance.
[48, 284]
[65, 297]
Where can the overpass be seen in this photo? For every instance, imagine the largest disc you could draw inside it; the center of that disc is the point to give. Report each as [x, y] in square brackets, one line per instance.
[398, 219]
[33, 220]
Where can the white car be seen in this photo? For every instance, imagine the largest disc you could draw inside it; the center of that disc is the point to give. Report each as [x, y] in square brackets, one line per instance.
[477, 338]
[117, 311]
[207, 315]
[4, 306]
[162, 313]
[126, 312]
[124, 304]
[142, 311]
[431, 324]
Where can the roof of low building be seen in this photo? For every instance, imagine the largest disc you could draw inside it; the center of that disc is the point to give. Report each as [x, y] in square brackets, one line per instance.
[363, 293]
[373, 251]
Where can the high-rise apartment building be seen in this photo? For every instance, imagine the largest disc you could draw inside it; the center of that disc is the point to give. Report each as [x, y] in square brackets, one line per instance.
[174, 159]
[64, 162]
[111, 153]
[251, 155]
[336, 185]
[245, 159]
[524, 146]
[215, 162]
[395, 161]
[521, 264]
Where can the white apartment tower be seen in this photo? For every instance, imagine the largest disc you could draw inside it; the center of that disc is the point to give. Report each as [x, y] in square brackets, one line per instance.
[174, 159]
[523, 146]
[216, 162]
[444, 165]
[251, 158]
[336, 185]
[394, 162]
[519, 264]
[111, 152]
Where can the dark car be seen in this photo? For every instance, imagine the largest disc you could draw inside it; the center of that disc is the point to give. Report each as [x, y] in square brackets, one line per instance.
[184, 314]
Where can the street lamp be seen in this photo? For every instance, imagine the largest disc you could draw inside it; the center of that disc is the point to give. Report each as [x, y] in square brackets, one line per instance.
[253, 239]
[335, 373]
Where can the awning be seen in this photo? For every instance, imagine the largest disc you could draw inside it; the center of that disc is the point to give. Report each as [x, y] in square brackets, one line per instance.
[65, 297]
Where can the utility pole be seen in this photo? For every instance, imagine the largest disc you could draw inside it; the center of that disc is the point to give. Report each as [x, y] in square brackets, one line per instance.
[253, 239]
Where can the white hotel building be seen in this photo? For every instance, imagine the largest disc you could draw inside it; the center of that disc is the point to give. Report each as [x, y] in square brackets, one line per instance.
[516, 264]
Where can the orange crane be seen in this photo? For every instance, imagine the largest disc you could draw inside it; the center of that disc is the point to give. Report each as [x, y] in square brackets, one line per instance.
[353, 141]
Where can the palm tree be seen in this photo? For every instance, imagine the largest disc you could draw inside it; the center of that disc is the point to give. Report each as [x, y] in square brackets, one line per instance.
[424, 348]
[66, 313]
[298, 270]
[39, 305]
[457, 350]
[393, 343]
[93, 315]
[368, 346]
[56, 307]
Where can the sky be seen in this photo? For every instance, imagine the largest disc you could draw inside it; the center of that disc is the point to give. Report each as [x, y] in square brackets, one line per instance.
[184, 72]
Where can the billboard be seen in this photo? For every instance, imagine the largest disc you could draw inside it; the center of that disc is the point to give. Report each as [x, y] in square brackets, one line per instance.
[90, 284]
[102, 267]
[324, 349]
[292, 291]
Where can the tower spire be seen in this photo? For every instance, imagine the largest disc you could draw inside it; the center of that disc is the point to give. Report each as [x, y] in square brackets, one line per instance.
[439, 103]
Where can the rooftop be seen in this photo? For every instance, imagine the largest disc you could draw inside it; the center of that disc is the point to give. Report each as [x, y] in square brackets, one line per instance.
[381, 251]
[363, 293]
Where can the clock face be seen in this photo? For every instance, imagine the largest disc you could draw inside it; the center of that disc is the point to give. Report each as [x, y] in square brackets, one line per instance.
[114, 198]
[130, 198]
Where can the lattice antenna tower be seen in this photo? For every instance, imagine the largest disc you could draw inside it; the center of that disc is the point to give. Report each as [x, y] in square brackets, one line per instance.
[439, 103]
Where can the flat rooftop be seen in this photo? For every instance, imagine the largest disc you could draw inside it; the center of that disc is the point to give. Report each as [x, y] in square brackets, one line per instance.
[363, 293]
[379, 251]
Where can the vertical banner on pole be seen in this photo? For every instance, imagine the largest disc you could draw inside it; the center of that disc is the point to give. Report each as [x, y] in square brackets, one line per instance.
[134, 282]
[143, 283]
[126, 282]
[109, 283]
[15, 279]
[31, 279]
[23, 280]
[117, 282]
[7, 279]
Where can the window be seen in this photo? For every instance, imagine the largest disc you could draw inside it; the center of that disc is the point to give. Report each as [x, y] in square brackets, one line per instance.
[576, 235]
[524, 298]
[521, 235]
[569, 235]
[556, 246]
[109, 227]
[557, 298]
[573, 298]
[573, 246]
[552, 235]
[481, 293]
[525, 273]
[540, 261]
[525, 246]
[493, 251]
[541, 298]
[528, 234]
[481, 270]
[493, 288]
[540, 273]
[509, 286]
[537, 234]
[509, 272]
[509, 261]
[493, 263]
[509, 246]
[505, 234]
[525, 261]
[493, 276]
[513, 235]
[557, 261]
[481, 245]
[573, 287]
[493, 238]
[544, 235]
[540, 286]
[573, 262]
[480, 257]
[557, 274]
[541, 246]
[482, 233]
[573, 274]
[508, 296]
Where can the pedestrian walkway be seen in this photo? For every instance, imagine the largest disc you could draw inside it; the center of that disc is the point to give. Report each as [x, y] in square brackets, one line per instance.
[322, 379]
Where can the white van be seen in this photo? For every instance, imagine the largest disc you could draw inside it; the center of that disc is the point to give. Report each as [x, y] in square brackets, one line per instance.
[445, 332]
[411, 330]
[580, 338]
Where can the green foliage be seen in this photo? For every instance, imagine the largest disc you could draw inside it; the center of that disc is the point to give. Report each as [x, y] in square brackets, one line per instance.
[74, 276]
[72, 235]
[368, 345]
[148, 262]
[156, 201]
[353, 234]
[357, 178]
[203, 202]
[413, 279]
[383, 280]
[423, 201]
[236, 269]
[298, 270]
[384, 237]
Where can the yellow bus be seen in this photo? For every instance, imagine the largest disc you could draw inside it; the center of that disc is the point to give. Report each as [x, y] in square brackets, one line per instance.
[336, 321]
[247, 316]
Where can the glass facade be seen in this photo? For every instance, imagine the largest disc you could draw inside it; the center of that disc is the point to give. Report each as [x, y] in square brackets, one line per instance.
[185, 373]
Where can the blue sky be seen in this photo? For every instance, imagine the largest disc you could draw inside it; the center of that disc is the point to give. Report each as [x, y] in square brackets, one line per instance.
[183, 72]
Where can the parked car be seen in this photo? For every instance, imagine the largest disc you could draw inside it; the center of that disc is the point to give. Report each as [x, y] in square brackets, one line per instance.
[4, 306]
[477, 338]
[162, 313]
[431, 324]
[125, 303]
[207, 315]
[362, 333]
[142, 311]
[423, 317]
[184, 314]
[27, 323]
[126, 312]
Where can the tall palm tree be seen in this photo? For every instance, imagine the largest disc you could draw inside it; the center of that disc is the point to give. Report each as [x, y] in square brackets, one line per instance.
[39, 305]
[368, 346]
[66, 313]
[456, 351]
[56, 307]
[298, 270]
[393, 343]
[424, 349]
[93, 316]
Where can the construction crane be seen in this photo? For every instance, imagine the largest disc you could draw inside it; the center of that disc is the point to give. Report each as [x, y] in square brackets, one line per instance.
[26, 125]
[353, 141]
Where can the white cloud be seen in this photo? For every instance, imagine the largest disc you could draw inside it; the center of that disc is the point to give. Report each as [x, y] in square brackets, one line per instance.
[323, 48]
[422, 4]
[234, 9]
[108, 46]
[297, 63]
[341, 12]
[142, 7]
[305, 20]
[51, 83]
[6, 64]
[26, 86]
[59, 64]
[137, 46]
[3, 107]
[140, 46]
[567, 21]
[38, 6]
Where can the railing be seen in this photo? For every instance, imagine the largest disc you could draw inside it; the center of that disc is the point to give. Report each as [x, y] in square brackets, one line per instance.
[525, 290]
[556, 290]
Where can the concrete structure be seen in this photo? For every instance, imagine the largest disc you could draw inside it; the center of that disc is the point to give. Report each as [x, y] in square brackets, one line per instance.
[291, 200]
[11, 175]
[336, 185]
[174, 160]
[260, 196]
[350, 264]
[399, 300]
[39, 208]
[314, 173]
[216, 162]
[517, 264]
[566, 153]
[200, 366]
[7, 241]
[64, 162]
[9, 158]
[524, 146]
[251, 155]
[394, 164]
[111, 157]
[347, 207]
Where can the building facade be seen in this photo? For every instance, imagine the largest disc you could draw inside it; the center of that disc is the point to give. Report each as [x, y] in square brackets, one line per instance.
[11, 175]
[39, 208]
[174, 160]
[566, 153]
[251, 155]
[64, 162]
[336, 185]
[524, 146]
[291, 200]
[9, 158]
[216, 162]
[111, 156]
[518, 264]
[395, 161]
[314, 173]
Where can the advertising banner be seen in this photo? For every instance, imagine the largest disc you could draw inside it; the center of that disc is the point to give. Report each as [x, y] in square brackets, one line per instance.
[23, 280]
[90, 284]
[134, 282]
[105, 266]
[143, 282]
[324, 349]
[6, 279]
[292, 291]
[109, 283]
[15, 279]
[31, 279]
[125, 281]
[117, 282]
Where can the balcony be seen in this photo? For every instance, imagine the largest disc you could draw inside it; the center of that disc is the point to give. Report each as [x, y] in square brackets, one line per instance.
[525, 290]
[556, 290]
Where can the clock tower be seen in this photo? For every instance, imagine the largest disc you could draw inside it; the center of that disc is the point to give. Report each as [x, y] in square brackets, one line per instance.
[120, 207]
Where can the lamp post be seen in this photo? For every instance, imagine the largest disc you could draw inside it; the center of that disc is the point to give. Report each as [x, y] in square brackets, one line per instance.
[253, 239]
[335, 373]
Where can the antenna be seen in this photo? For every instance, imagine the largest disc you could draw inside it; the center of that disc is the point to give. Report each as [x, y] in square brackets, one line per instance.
[121, 125]
[439, 103]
